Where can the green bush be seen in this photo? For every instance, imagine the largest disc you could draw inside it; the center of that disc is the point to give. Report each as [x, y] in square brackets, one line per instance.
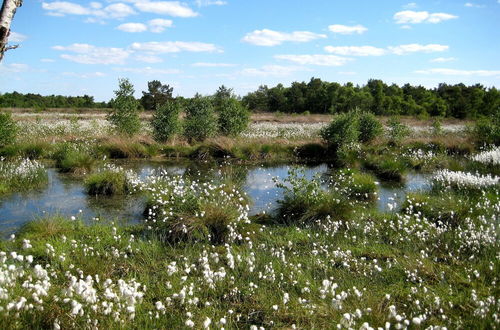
[342, 131]
[166, 122]
[8, 129]
[397, 130]
[369, 127]
[201, 122]
[233, 117]
[124, 113]
[487, 131]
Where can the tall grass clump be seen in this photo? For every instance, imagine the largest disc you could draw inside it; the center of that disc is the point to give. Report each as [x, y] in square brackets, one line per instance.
[124, 113]
[73, 158]
[464, 181]
[8, 129]
[200, 122]
[388, 168]
[21, 175]
[183, 210]
[233, 117]
[111, 180]
[306, 202]
[356, 184]
[166, 123]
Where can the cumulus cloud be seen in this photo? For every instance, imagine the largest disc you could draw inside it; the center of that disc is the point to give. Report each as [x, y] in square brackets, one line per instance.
[161, 47]
[417, 48]
[268, 37]
[457, 72]
[212, 65]
[171, 8]
[89, 54]
[356, 50]
[132, 27]
[346, 29]
[321, 60]
[416, 17]
[17, 37]
[271, 70]
[95, 11]
[157, 25]
[442, 59]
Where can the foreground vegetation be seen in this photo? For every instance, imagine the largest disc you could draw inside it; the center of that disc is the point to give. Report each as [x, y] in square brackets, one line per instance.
[326, 258]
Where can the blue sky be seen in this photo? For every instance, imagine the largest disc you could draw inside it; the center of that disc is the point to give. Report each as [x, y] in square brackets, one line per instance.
[83, 47]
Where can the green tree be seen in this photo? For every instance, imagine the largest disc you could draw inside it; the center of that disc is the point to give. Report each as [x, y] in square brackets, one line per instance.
[157, 95]
[166, 122]
[201, 122]
[233, 117]
[124, 113]
[222, 93]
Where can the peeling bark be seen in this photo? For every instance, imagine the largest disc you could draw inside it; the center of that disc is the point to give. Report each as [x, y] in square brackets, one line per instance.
[6, 15]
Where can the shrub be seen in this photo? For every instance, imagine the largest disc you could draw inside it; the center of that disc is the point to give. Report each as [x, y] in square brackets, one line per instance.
[8, 129]
[369, 127]
[305, 201]
[233, 117]
[487, 131]
[397, 130]
[342, 131]
[166, 123]
[201, 122]
[124, 113]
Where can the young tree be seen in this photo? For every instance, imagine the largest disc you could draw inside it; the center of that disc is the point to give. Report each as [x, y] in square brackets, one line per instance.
[233, 117]
[6, 16]
[124, 114]
[166, 121]
[222, 93]
[8, 129]
[201, 121]
[157, 95]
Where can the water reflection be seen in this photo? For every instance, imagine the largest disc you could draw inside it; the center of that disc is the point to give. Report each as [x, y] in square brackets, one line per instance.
[66, 196]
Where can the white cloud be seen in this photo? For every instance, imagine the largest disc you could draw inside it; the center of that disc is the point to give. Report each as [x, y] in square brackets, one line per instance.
[14, 67]
[84, 75]
[442, 59]
[347, 73]
[322, 60]
[417, 48]
[17, 37]
[212, 65]
[416, 17]
[157, 25]
[148, 71]
[132, 27]
[204, 3]
[95, 11]
[47, 60]
[473, 5]
[455, 72]
[161, 47]
[268, 37]
[355, 50]
[171, 8]
[346, 29]
[411, 5]
[148, 58]
[89, 54]
[271, 70]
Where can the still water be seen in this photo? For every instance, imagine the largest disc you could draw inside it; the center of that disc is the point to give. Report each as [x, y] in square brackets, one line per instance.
[65, 195]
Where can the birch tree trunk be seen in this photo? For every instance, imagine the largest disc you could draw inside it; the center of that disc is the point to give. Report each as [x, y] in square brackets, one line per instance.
[6, 15]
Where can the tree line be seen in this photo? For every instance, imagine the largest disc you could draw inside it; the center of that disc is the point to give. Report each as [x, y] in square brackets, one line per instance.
[315, 96]
[319, 96]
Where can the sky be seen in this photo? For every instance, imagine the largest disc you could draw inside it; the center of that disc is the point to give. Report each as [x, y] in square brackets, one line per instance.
[83, 47]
